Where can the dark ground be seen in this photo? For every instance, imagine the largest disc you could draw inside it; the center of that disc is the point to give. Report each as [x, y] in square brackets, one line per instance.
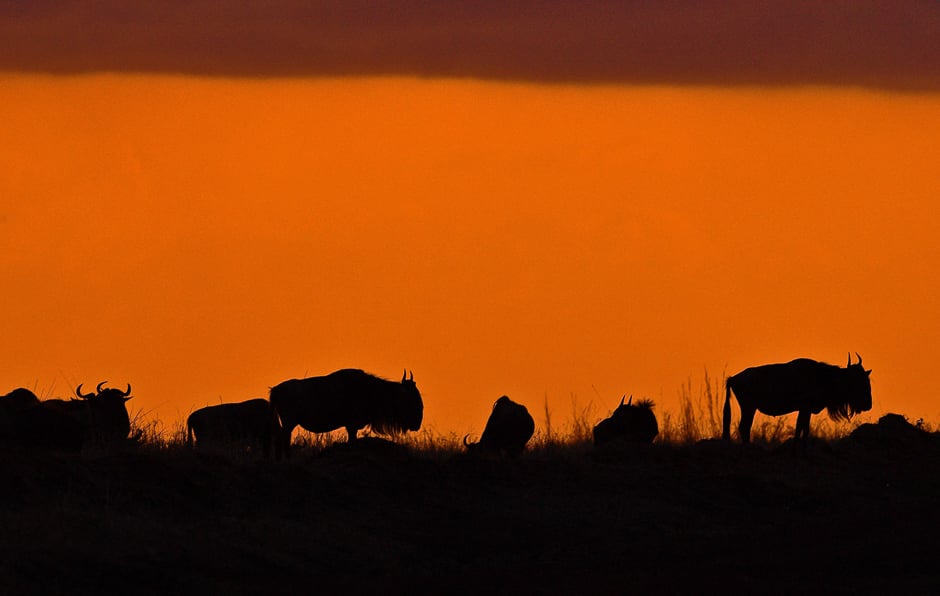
[856, 515]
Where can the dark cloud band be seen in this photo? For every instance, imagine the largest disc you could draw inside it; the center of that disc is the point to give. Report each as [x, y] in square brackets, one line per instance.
[892, 44]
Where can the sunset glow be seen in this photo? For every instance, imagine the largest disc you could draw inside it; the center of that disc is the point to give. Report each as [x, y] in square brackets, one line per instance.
[207, 238]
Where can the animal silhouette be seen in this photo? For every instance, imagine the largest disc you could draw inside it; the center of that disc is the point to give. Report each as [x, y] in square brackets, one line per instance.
[68, 425]
[246, 425]
[802, 385]
[508, 429]
[633, 423]
[348, 398]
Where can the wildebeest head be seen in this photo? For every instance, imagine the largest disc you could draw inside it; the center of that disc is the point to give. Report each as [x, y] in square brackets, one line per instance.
[107, 417]
[508, 429]
[854, 392]
[404, 411]
[630, 422]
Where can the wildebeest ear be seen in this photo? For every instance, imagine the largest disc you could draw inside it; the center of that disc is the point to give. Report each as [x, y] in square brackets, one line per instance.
[868, 372]
[127, 399]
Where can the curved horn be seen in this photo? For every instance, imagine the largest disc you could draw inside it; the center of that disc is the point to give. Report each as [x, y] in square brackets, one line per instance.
[404, 375]
[98, 388]
[411, 375]
[630, 401]
[465, 443]
[850, 360]
[78, 392]
[859, 358]
[622, 397]
[128, 392]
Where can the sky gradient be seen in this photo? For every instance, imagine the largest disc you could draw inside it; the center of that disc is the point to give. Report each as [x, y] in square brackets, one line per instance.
[548, 204]
[205, 239]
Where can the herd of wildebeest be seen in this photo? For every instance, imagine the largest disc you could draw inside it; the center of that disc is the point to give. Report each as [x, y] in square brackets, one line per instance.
[354, 400]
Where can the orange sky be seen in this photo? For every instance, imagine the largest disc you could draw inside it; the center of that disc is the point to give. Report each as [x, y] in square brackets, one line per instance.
[204, 239]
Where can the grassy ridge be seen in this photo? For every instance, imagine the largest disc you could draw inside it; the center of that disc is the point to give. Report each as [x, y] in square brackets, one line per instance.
[851, 514]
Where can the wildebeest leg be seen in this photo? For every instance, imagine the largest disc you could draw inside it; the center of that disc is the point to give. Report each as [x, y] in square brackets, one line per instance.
[282, 441]
[802, 425]
[744, 427]
[726, 415]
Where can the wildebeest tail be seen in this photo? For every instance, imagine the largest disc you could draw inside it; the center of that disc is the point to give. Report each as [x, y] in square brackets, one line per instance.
[726, 413]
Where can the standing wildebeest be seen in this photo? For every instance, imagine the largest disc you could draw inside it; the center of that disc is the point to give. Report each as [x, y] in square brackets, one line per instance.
[629, 422]
[801, 385]
[347, 398]
[247, 424]
[99, 417]
[507, 430]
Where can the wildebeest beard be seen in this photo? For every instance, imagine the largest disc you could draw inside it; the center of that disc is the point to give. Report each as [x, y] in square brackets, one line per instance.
[844, 411]
[399, 414]
[855, 396]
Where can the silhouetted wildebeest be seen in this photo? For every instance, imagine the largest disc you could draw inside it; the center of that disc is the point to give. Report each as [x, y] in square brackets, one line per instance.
[247, 424]
[17, 400]
[507, 430]
[801, 385]
[348, 398]
[99, 417]
[11, 405]
[633, 423]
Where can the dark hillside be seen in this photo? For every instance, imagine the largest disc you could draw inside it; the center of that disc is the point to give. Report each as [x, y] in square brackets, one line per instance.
[854, 515]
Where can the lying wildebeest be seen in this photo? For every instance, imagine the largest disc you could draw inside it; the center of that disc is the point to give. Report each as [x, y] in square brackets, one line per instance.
[11, 405]
[247, 424]
[347, 398]
[629, 423]
[801, 385]
[507, 430]
[18, 400]
[99, 418]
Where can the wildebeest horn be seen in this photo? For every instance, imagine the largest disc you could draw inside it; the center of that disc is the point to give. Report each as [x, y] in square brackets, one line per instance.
[411, 375]
[630, 401]
[465, 443]
[98, 388]
[622, 397]
[859, 358]
[404, 375]
[128, 392]
[78, 392]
